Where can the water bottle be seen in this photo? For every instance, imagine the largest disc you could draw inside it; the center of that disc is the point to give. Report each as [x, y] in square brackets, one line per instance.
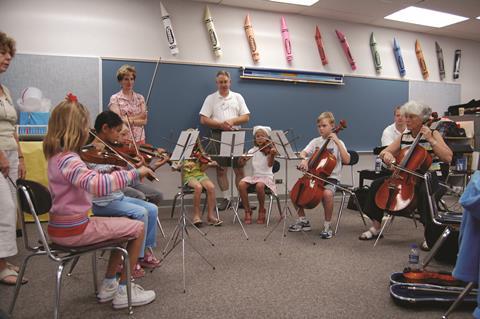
[378, 165]
[413, 257]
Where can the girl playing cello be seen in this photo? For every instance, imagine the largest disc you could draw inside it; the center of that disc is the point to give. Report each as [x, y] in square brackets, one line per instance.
[325, 125]
[416, 115]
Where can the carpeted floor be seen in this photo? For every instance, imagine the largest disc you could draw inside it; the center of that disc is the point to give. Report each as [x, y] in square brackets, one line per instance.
[337, 278]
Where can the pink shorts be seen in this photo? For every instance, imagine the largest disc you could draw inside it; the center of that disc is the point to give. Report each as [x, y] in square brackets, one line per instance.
[102, 229]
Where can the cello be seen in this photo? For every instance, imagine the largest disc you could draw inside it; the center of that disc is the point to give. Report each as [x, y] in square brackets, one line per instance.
[308, 191]
[397, 192]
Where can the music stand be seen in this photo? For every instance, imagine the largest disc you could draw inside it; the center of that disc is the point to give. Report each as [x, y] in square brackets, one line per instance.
[285, 151]
[183, 151]
[231, 146]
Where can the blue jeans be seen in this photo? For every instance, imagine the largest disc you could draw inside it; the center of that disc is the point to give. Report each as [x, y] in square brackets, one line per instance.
[135, 209]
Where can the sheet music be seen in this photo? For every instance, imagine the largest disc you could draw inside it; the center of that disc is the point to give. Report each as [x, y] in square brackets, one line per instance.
[184, 148]
[282, 144]
[237, 138]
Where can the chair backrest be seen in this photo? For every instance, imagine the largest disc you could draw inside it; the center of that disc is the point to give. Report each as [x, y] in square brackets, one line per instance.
[432, 204]
[276, 166]
[353, 157]
[34, 199]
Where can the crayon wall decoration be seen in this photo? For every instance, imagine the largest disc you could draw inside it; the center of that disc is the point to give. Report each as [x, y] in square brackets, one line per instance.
[441, 64]
[375, 55]
[346, 49]
[398, 57]
[167, 24]
[320, 46]
[456, 64]
[212, 34]
[421, 60]
[286, 40]
[251, 39]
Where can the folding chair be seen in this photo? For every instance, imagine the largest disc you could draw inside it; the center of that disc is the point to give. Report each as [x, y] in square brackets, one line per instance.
[34, 199]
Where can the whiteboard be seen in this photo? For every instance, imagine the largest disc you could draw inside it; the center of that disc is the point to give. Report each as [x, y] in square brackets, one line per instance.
[438, 95]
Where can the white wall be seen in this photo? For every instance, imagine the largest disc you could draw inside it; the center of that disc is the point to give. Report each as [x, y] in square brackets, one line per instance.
[133, 29]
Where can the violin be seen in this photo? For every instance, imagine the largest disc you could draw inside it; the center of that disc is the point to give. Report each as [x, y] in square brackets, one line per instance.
[308, 191]
[443, 278]
[146, 151]
[398, 191]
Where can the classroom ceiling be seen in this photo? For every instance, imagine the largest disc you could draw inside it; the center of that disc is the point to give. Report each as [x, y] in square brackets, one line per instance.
[372, 12]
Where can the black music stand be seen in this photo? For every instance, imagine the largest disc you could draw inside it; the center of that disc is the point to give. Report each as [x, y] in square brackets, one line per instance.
[231, 146]
[285, 151]
[183, 151]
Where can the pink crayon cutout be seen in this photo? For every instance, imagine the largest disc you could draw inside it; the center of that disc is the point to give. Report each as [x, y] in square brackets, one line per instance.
[346, 49]
[320, 46]
[286, 41]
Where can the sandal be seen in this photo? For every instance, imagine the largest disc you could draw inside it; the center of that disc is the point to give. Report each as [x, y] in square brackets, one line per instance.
[424, 246]
[6, 273]
[248, 217]
[13, 267]
[149, 261]
[215, 222]
[370, 234]
[136, 273]
[198, 222]
[261, 216]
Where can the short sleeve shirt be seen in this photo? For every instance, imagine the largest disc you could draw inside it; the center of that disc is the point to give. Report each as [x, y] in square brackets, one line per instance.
[131, 107]
[332, 148]
[221, 108]
[390, 134]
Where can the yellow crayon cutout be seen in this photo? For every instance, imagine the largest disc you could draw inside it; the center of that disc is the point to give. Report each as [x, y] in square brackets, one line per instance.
[421, 60]
[251, 39]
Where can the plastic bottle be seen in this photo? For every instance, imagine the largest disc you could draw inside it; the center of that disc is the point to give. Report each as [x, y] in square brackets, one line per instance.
[378, 165]
[413, 257]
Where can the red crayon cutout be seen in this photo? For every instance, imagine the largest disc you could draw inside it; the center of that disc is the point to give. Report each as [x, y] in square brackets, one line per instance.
[346, 49]
[321, 48]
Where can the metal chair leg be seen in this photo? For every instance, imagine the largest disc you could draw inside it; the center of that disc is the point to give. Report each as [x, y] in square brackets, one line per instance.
[23, 268]
[72, 266]
[437, 246]
[459, 299]
[340, 212]
[58, 287]
[174, 203]
[94, 272]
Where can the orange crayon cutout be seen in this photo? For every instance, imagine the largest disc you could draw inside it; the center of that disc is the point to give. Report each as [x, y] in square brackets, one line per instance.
[421, 60]
[251, 39]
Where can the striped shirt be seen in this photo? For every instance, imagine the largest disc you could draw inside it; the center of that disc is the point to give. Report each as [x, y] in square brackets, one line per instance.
[71, 182]
[408, 139]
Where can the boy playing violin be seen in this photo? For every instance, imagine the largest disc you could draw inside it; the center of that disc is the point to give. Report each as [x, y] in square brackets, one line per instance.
[108, 126]
[325, 125]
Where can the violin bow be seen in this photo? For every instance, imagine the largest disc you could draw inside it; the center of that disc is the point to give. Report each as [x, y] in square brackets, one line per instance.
[133, 136]
[117, 153]
[150, 89]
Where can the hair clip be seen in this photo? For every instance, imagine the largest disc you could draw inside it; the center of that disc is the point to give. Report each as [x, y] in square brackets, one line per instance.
[71, 97]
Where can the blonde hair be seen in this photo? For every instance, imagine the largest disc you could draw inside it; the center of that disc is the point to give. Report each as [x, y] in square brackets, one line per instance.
[7, 44]
[326, 115]
[124, 70]
[67, 128]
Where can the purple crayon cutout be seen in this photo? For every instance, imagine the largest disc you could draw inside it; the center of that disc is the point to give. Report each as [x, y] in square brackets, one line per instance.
[286, 41]
[346, 49]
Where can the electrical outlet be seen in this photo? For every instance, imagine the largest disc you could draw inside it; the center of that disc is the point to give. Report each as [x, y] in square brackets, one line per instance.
[279, 181]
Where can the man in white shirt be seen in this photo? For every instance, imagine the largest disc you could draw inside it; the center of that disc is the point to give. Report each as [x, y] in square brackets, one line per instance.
[393, 131]
[224, 110]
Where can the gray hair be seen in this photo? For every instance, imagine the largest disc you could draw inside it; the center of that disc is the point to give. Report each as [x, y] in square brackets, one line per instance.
[413, 107]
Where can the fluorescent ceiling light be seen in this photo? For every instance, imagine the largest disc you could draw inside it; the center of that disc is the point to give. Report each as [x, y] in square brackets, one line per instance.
[299, 2]
[429, 18]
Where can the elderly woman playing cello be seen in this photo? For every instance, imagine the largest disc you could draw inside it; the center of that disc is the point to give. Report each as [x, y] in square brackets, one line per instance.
[431, 141]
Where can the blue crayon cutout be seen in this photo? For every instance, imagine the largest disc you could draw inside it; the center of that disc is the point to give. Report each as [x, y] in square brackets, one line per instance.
[398, 57]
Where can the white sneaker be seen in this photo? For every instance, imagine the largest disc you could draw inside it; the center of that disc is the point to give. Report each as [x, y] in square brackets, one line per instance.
[139, 296]
[107, 290]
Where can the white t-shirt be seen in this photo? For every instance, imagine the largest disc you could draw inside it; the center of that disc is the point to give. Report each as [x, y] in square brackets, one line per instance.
[332, 148]
[260, 163]
[390, 134]
[221, 108]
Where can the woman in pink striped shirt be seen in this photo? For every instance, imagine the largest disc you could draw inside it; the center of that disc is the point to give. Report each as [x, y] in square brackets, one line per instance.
[71, 182]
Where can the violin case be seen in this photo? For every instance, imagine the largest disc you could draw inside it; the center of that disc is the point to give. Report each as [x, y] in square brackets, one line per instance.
[428, 291]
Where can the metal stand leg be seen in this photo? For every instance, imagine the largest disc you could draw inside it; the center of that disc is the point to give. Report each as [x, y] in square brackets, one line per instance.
[179, 235]
[459, 299]
[234, 206]
[437, 246]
